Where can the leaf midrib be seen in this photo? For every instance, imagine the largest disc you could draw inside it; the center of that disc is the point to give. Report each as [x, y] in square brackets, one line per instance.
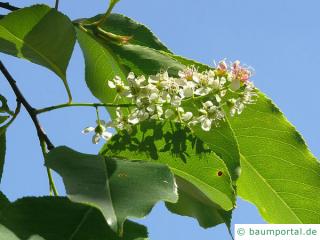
[83, 220]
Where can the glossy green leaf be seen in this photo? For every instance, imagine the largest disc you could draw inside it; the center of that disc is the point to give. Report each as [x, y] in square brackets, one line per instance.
[279, 173]
[100, 66]
[124, 26]
[119, 188]
[41, 35]
[49, 218]
[187, 156]
[194, 203]
[220, 139]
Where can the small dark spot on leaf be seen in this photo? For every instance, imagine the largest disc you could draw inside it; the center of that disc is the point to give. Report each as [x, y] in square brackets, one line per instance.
[220, 173]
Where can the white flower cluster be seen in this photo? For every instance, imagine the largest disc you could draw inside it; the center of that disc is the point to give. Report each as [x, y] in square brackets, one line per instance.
[162, 96]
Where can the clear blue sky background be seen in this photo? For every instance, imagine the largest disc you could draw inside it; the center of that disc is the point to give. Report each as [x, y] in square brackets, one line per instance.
[279, 38]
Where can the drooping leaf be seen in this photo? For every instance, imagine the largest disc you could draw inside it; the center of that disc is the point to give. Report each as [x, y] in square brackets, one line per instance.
[194, 203]
[119, 188]
[279, 173]
[41, 35]
[48, 218]
[187, 156]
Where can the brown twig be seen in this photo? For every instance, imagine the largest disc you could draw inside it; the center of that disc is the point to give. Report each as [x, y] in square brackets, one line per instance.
[31, 111]
[7, 6]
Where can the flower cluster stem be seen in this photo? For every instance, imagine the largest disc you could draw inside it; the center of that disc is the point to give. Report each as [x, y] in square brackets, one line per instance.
[66, 105]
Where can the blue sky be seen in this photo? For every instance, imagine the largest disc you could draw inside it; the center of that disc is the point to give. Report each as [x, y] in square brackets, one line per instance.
[278, 38]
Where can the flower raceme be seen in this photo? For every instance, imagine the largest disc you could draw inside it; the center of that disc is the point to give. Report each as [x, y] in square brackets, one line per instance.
[227, 89]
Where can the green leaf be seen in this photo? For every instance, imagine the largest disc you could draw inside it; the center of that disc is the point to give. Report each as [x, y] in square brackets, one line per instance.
[188, 62]
[220, 139]
[41, 35]
[105, 59]
[2, 152]
[186, 155]
[194, 203]
[121, 25]
[100, 66]
[48, 218]
[119, 188]
[279, 173]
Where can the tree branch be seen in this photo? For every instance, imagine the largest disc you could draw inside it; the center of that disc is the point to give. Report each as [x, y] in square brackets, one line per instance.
[7, 6]
[56, 5]
[31, 111]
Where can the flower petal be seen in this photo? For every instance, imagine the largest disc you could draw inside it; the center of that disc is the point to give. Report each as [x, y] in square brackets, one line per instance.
[87, 130]
[106, 135]
[96, 138]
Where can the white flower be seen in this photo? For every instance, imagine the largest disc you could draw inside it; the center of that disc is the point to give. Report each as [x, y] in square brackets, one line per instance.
[205, 123]
[135, 84]
[176, 101]
[189, 74]
[138, 115]
[207, 104]
[186, 116]
[187, 90]
[119, 86]
[161, 96]
[121, 122]
[210, 113]
[100, 131]
[237, 107]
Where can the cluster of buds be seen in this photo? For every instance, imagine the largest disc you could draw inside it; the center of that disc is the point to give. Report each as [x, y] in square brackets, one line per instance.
[227, 88]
